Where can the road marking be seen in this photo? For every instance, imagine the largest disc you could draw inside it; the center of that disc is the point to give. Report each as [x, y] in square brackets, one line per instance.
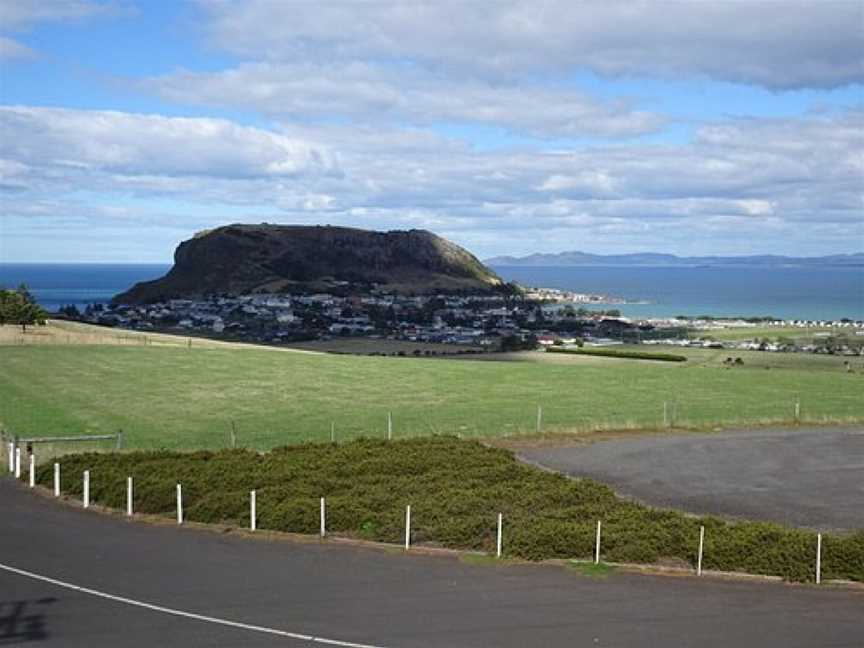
[188, 615]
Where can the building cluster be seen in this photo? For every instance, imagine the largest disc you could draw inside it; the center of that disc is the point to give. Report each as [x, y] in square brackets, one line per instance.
[480, 320]
[536, 318]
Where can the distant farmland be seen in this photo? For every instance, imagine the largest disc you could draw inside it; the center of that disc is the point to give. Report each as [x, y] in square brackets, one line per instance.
[176, 397]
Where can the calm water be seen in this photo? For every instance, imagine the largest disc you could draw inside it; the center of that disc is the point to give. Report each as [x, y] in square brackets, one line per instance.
[54, 285]
[830, 293]
[789, 293]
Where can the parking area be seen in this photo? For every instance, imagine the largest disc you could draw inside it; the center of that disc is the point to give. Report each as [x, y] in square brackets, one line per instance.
[810, 477]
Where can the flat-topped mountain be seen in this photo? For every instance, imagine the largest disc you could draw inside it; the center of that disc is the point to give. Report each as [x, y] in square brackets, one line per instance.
[243, 259]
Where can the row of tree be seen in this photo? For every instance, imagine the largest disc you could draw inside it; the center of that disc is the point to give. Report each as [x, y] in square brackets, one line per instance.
[19, 308]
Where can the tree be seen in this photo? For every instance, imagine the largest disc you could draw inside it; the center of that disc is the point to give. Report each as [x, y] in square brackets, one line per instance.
[70, 310]
[18, 307]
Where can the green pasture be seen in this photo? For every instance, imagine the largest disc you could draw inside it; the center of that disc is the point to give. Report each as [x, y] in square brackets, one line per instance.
[770, 332]
[758, 359]
[179, 398]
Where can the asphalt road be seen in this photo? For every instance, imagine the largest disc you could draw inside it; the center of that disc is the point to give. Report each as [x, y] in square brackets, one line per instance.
[363, 595]
[810, 477]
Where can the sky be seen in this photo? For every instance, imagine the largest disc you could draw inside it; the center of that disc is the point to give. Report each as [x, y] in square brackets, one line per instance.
[688, 127]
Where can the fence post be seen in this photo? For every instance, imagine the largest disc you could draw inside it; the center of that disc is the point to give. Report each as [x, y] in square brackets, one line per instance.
[818, 558]
[18, 462]
[701, 547]
[129, 496]
[407, 527]
[11, 456]
[323, 518]
[597, 545]
[539, 418]
[332, 432]
[119, 439]
[86, 488]
[32, 470]
[797, 409]
[253, 523]
[233, 435]
[56, 479]
[500, 529]
[179, 504]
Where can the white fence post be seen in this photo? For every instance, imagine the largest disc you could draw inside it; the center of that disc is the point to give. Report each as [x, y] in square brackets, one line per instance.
[32, 470]
[407, 527]
[597, 545]
[500, 529]
[818, 558]
[86, 488]
[253, 515]
[323, 518]
[56, 479]
[18, 462]
[701, 546]
[129, 496]
[332, 432]
[179, 504]
[11, 457]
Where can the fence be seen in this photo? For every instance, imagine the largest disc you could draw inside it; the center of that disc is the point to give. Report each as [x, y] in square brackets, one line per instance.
[91, 491]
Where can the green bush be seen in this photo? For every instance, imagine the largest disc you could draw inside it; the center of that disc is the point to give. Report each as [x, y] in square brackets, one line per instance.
[615, 353]
[456, 489]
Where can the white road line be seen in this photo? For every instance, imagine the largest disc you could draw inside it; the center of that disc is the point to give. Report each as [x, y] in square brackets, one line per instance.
[188, 615]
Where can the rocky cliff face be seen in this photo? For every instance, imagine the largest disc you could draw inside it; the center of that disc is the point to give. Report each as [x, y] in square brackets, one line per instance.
[242, 259]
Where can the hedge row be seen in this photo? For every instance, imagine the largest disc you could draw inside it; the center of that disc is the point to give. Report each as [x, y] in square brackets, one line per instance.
[615, 353]
[455, 488]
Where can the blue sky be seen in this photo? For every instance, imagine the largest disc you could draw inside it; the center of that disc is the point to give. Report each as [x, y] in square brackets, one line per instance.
[510, 127]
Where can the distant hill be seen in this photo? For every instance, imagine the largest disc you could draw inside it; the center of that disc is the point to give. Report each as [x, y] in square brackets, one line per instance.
[242, 259]
[656, 259]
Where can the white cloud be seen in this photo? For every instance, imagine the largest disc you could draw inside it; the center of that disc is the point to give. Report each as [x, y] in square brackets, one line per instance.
[774, 44]
[124, 144]
[20, 14]
[374, 94]
[795, 182]
[11, 49]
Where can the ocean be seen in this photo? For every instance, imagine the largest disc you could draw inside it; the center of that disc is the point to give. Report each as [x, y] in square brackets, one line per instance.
[785, 293]
[788, 293]
[56, 285]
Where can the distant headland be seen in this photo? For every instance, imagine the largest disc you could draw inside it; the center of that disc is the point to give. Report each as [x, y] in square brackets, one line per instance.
[576, 258]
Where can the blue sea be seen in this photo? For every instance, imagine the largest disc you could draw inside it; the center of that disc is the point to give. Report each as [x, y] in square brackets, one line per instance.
[785, 293]
[56, 285]
[789, 293]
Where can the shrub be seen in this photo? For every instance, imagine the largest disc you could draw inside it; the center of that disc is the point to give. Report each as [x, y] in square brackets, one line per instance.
[456, 489]
[616, 353]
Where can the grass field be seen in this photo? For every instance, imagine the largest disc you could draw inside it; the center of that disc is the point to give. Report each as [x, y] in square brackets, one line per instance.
[770, 332]
[177, 397]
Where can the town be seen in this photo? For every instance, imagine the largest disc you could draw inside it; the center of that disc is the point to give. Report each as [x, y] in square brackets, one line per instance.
[516, 320]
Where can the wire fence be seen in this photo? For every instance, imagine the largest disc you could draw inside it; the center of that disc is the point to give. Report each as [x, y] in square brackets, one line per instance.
[265, 428]
[799, 555]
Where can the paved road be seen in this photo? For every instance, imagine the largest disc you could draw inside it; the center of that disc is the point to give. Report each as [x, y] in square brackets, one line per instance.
[364, 595]
[804, 477]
